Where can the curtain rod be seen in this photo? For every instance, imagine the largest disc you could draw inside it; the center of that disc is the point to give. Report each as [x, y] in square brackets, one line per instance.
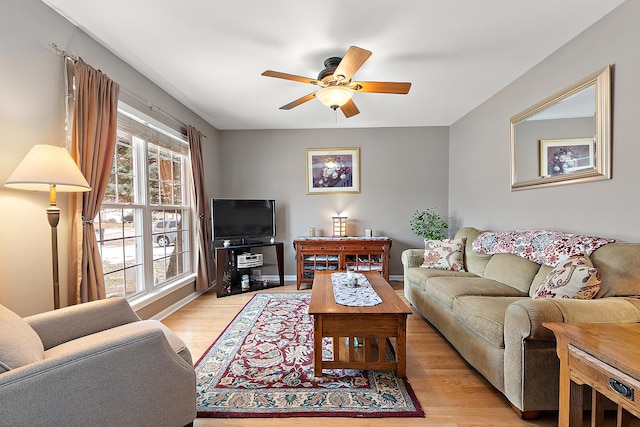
[62, 53]
[151, 106]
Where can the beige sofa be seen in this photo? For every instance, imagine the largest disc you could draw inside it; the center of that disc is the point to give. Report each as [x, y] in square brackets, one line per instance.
[93, 364]
[487, 313]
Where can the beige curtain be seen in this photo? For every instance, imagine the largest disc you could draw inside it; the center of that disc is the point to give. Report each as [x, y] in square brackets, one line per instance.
[92, 143]
[202, 207]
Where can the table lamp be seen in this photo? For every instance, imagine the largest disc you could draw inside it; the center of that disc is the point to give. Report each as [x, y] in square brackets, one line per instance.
[49, 168]
[339, 226]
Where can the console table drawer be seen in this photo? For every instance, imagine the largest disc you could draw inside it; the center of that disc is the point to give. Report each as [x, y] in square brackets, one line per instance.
[364, 247]
[309, 247]
[607, 380]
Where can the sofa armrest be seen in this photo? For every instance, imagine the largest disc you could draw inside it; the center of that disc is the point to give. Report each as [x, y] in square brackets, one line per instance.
[530, 363]
[129, 378]
[412, 258]
[524, 318]
[69, 323]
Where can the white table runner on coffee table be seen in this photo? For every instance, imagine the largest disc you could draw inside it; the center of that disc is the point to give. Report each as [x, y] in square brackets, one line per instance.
[361, 296]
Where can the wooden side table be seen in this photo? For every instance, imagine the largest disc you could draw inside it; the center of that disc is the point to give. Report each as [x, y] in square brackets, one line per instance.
[604, 356]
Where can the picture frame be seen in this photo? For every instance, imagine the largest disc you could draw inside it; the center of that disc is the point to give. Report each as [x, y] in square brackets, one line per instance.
[566, 156]
[333, 170]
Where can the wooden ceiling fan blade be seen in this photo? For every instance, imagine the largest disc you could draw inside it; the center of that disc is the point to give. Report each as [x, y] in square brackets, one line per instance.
[351, 62]
[349, 109]
[399, 88]
[298, 101]
[286, 76]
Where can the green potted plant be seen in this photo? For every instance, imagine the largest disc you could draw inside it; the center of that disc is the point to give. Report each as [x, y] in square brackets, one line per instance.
[429, 225]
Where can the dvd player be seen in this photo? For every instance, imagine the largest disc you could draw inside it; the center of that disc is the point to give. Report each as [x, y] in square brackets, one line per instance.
[249, 260]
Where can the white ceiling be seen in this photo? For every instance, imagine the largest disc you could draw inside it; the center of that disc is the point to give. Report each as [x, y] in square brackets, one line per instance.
[209, 54]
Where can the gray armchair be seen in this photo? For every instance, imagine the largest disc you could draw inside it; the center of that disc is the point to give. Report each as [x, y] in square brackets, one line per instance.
[93, 364]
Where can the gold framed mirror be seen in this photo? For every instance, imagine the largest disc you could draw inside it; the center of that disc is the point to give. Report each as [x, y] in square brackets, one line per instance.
[565, 138]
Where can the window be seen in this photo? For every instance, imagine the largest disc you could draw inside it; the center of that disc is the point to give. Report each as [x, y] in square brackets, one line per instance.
[143, 227]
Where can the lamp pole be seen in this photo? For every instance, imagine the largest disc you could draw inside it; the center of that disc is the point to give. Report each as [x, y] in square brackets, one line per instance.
[53, 215]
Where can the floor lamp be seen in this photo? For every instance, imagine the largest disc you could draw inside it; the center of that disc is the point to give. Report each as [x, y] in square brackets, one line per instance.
[49, 168]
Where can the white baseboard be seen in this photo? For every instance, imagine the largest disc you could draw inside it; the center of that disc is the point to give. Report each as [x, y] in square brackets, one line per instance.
[177, 306]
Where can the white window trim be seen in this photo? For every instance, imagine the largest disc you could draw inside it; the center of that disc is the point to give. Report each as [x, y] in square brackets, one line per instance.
[151, 292]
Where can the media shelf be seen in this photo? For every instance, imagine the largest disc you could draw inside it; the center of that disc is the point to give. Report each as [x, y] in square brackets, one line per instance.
[229, 275]
[338, 253]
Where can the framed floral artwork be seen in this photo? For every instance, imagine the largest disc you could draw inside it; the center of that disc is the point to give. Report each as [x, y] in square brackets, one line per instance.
[566, 156]
[333, 170]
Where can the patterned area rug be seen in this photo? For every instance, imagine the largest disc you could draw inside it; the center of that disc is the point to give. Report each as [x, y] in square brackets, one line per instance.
[262, 366]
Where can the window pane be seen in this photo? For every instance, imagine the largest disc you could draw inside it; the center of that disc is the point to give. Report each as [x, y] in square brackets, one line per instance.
[165, 176]
[112, 254]
[121, 187]
[126, 190]
[177, 194]
[160, 271]
[114, 283]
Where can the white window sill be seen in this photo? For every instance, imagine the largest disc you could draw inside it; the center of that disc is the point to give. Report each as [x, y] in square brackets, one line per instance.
[147, 299]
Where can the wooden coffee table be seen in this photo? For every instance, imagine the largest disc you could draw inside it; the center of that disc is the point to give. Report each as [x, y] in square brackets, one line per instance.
[372, 326]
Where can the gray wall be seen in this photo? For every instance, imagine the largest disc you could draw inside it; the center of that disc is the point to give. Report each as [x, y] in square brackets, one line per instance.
[402, 170]
[32, 112]
[479, 193]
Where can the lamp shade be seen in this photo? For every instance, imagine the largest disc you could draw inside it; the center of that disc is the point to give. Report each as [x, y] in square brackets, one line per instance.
[334, 96]
[46, 165]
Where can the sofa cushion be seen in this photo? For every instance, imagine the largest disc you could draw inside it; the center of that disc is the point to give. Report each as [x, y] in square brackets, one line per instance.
[484, 315]
[19, 344]
[572, 278]
[446, 289]
[445, 254]
[539, 277]
[512, 270]
[419, 276]
[619, 264]
[474, 262]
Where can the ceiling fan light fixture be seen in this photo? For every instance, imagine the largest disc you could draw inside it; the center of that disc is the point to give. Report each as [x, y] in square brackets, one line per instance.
[334, 96]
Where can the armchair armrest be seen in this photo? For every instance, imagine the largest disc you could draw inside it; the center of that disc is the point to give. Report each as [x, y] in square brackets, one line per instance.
[69, 323]
[128, 375]
[412, 258]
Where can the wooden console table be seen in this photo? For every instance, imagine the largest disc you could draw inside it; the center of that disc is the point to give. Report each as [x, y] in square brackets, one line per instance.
[604, 356]
[337, 253]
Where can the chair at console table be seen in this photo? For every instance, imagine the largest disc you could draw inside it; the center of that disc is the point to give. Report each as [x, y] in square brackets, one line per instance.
[604, 356]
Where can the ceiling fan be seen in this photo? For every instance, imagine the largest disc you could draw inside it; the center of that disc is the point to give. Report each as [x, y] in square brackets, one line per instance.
[336, 87]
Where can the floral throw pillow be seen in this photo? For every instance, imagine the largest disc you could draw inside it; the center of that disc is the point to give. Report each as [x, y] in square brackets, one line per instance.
[574, 278]
[445, 254]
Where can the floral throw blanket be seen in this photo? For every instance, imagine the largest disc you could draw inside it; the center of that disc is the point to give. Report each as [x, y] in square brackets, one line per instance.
[541, 246]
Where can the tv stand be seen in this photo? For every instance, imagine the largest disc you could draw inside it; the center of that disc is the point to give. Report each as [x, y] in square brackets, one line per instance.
[229, 275]
[251, 243]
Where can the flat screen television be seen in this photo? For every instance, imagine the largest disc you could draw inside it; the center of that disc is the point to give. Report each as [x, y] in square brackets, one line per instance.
[241, 219]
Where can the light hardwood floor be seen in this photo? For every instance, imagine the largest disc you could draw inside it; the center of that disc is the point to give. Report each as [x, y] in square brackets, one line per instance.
[452, 394]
